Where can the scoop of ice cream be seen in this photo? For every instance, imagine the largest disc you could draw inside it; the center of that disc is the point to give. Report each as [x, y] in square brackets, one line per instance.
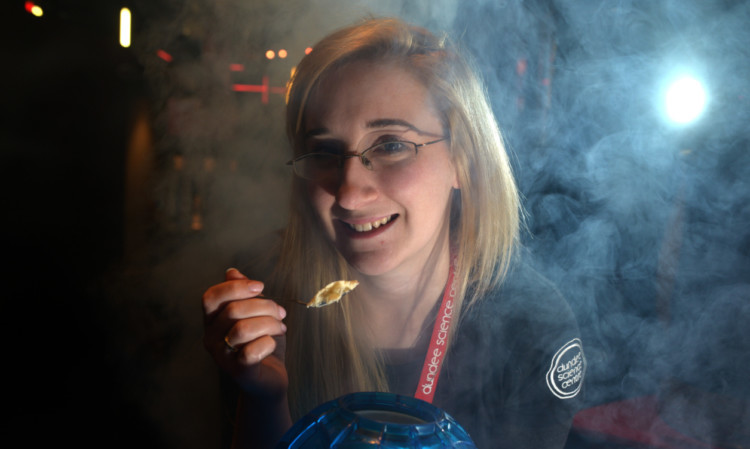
[332, 293]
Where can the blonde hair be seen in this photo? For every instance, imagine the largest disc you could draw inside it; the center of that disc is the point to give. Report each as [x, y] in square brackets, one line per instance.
[325, 357]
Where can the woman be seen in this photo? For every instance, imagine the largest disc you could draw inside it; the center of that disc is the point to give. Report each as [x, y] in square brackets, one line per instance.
[403, 184]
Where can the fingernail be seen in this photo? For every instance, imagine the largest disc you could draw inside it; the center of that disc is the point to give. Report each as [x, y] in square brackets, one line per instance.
[283, 327]
[282, 312]
[230, 269]
[255, 286]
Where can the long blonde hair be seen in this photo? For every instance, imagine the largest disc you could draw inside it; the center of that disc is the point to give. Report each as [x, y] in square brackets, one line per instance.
[325, 357]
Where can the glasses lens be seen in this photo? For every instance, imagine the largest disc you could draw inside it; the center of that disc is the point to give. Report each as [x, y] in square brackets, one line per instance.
[317, 166]
[321, 167]
[388, 154]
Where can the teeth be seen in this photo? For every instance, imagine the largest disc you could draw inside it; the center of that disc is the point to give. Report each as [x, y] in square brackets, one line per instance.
[364, 227]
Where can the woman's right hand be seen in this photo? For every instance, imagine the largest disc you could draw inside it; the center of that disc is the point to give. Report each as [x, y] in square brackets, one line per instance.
[239, 333]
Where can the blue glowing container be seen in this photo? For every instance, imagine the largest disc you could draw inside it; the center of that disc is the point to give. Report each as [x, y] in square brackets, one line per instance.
[368, 420]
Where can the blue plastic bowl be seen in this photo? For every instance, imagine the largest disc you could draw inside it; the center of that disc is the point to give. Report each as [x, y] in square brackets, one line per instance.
[367, 420]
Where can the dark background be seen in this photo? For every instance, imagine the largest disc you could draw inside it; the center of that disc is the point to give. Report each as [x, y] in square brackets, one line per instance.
[129, 181]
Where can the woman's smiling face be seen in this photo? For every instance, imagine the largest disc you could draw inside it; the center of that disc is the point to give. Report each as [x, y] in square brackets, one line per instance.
[382, 220]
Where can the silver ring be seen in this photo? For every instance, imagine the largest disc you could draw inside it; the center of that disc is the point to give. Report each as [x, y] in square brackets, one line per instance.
[229, 345]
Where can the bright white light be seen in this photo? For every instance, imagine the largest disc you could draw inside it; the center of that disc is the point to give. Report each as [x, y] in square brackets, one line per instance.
[125, 20]
[685, 100]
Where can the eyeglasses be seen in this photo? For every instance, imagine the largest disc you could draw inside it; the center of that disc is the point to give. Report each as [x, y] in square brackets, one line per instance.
[323, 167]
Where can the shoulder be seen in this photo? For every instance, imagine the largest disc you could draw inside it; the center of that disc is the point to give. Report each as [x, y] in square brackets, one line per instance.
[531, 331]
[525, 302]
[516, 369]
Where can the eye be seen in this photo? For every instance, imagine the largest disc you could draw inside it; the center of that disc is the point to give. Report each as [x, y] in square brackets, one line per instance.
[325, 147]
[314, 166]
[390, 149]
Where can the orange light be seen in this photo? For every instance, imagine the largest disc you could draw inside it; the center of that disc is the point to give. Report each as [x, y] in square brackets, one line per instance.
[270, 54]
[308, 50]
[282, 53]
[236, 67]
[33, 9]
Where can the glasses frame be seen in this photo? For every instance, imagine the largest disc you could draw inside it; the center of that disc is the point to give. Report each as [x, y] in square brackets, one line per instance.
[361, 156]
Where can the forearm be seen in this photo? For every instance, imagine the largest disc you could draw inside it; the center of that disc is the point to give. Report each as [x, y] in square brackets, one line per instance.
[260, 423]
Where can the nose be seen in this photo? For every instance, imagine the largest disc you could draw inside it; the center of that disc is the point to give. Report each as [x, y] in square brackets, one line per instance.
[357, 186]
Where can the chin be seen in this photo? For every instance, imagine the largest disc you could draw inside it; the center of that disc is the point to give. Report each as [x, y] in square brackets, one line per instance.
[370, 264]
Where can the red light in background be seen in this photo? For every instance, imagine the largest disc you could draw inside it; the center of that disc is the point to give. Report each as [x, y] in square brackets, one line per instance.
[308, 50]
[29, 6]
[237, 67]
[264, 89]
[270, 54]
[248, 88]
[164, 55]
[521, 66]
[282, 53]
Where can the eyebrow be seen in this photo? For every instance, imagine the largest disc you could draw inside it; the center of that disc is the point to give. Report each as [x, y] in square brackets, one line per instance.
[315, 132]
[372, 124]
[385, 122]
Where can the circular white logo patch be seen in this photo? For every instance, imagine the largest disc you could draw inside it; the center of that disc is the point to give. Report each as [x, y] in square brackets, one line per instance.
[565, 375]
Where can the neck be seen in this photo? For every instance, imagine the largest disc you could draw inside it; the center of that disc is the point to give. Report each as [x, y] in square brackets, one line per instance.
[396, 304]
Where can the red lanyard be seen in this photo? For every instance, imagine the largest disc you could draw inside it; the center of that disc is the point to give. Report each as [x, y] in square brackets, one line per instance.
[433, 361]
